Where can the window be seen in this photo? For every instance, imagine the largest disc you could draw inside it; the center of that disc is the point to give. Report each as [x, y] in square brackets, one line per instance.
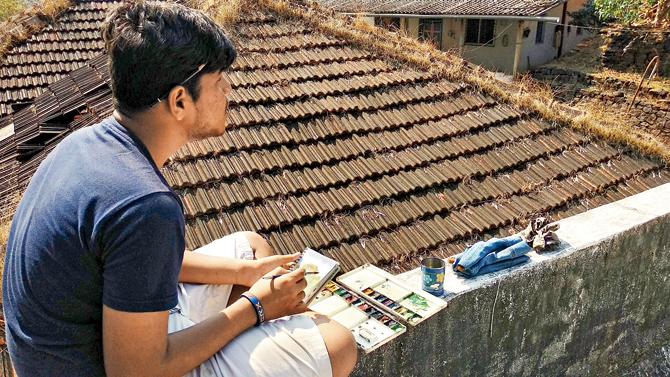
[389, 23]
[539, 33]
[480, 32]
[430, 30]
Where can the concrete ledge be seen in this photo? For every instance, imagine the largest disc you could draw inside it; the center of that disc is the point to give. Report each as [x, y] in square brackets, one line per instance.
[597, 305]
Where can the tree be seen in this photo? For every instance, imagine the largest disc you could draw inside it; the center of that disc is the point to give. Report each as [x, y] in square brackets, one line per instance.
[586, 16]
[626, 11]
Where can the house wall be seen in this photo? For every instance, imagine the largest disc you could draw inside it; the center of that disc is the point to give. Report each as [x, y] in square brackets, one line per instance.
[500, 56]
[369, 20]
[535, 55]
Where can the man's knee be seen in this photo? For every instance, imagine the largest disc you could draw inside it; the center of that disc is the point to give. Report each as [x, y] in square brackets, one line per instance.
[340, 344]
[258, 244]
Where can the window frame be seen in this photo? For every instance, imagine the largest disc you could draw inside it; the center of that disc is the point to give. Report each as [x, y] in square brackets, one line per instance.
[481, 40]
[440, 31]
[539, 35]
[389, 23]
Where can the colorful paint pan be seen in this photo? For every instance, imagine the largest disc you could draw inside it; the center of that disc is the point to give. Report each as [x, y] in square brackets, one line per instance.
[377, 315]
[392, 290]
[380, 298]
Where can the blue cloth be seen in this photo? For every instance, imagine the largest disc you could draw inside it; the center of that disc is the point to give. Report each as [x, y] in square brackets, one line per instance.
[97, 225]
[493, 255]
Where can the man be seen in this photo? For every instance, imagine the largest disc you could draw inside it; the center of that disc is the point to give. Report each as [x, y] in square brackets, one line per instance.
[96, 248]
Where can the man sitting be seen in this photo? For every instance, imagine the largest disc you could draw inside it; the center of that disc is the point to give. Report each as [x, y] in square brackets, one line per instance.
[96, 248]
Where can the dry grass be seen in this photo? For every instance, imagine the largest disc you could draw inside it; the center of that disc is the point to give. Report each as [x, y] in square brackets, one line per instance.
[634, 78]
[27, 22]
[4, 235]
[524, 94]
[5, 223]
[53, 8]
[586, 59]
[225, 13]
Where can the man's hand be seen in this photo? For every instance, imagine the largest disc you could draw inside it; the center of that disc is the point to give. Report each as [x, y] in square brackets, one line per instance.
[200, 268]
[281, 296]
[261, 267]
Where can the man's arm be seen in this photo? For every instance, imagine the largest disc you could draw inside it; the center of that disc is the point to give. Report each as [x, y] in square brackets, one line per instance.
[137, 344]
[207, 269]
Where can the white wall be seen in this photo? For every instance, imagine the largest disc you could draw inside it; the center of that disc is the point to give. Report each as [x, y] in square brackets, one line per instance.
[538, 54]
[499, 56]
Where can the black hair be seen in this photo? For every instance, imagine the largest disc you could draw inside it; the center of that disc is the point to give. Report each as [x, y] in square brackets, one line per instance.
[154, 46]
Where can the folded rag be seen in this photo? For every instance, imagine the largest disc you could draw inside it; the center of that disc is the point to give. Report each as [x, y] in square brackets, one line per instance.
[493, 255]
[499, 253]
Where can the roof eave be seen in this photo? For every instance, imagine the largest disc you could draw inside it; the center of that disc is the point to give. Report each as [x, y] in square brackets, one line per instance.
[468, 16]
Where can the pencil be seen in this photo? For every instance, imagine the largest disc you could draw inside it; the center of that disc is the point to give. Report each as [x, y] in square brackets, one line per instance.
[276, 276]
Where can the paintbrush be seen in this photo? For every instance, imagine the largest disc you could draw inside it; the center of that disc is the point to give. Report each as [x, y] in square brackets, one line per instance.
[276, 276]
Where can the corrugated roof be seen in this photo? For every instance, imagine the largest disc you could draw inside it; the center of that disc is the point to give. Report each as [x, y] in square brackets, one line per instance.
[48, 55]
[369, 160]
[517, 8]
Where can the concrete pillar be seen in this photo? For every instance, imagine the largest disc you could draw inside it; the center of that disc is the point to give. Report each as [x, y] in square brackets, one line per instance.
[518, 48]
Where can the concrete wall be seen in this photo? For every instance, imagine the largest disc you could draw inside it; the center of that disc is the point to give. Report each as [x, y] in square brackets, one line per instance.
[598, 306]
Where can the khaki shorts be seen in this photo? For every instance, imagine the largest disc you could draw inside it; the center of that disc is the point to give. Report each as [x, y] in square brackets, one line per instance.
[288, 346]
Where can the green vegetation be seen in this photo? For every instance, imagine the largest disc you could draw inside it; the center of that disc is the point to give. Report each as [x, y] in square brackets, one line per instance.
[8, 8]
[633, 11]
[586, 16]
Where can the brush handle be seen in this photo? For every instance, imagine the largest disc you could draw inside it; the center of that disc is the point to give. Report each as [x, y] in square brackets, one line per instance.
[276, 276]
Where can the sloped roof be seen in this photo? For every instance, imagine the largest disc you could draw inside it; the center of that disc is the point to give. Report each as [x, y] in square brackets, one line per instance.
[48, 55]
[516, 8]
[332, 146]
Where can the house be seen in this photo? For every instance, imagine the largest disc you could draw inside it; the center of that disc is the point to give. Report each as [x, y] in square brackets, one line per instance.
[506, 36]
[339, 145]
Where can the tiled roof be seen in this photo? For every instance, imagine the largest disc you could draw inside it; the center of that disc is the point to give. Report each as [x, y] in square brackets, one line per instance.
[518, 8]
[335, 147]
[50, 54]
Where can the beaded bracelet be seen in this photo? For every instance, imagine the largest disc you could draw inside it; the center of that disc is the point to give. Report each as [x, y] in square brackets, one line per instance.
[256, 303]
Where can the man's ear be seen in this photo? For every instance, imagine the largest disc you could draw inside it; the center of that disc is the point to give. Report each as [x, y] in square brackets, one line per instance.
[178, 102]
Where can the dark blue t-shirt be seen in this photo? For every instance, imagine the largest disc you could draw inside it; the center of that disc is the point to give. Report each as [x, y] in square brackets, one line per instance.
[97, 225]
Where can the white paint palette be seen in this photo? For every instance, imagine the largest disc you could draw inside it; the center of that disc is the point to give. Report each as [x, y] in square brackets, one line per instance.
[371, 327]
[391, 295]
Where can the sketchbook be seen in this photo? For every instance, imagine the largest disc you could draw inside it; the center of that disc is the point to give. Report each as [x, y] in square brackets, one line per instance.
[325, 268]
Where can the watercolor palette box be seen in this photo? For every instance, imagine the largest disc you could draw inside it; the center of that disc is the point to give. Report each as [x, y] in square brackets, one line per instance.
[385, 292]
[370, 326]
